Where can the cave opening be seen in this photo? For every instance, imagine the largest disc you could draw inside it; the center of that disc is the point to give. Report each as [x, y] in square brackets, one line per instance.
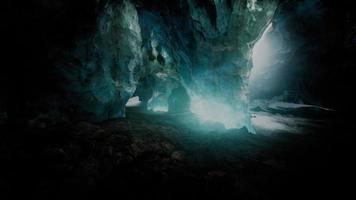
[209, 111]
[261, 58]
[263, 78]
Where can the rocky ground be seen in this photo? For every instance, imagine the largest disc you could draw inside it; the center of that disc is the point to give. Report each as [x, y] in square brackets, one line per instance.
[158, 155]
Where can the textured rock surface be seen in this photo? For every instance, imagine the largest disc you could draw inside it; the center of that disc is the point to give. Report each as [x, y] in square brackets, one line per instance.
[118, 47]
[208, 51]
[101, 72]
[154, 156]
[222, 57]
[195, 44]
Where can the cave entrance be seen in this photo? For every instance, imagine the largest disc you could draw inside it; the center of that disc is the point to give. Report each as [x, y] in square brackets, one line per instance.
[261, 57]
[269, 59]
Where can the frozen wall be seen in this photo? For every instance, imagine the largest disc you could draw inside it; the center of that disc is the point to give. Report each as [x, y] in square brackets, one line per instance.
[191, 54]
[203, 47]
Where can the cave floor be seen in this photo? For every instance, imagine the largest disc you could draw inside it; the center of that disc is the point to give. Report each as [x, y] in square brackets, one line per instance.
[161, 156]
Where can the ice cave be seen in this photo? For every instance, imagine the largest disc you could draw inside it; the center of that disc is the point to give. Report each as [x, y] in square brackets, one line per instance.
[187, 99]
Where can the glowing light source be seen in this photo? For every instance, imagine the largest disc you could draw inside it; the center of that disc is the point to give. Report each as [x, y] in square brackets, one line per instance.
[268, 122]
[134, 101]
[156, 104]
[261, 55]
[159, 109]
[211, 111]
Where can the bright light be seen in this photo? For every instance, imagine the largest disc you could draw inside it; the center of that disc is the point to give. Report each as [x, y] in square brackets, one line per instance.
[261, 55]
[211, 111]
[272, 122]
[134, 101]
[156, 104]
[268, 122]
[159, 109]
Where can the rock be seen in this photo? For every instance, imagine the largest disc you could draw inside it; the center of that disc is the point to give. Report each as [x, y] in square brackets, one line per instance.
[202, 48]
[73, 150]
[55, 155]
[89, 167]
[178, 155]
[99, 73]
[207, 51]
[217, 173]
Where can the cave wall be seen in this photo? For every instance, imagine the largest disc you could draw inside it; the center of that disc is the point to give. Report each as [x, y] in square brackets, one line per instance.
[222, 58]
[85, 59]
[100, 72]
